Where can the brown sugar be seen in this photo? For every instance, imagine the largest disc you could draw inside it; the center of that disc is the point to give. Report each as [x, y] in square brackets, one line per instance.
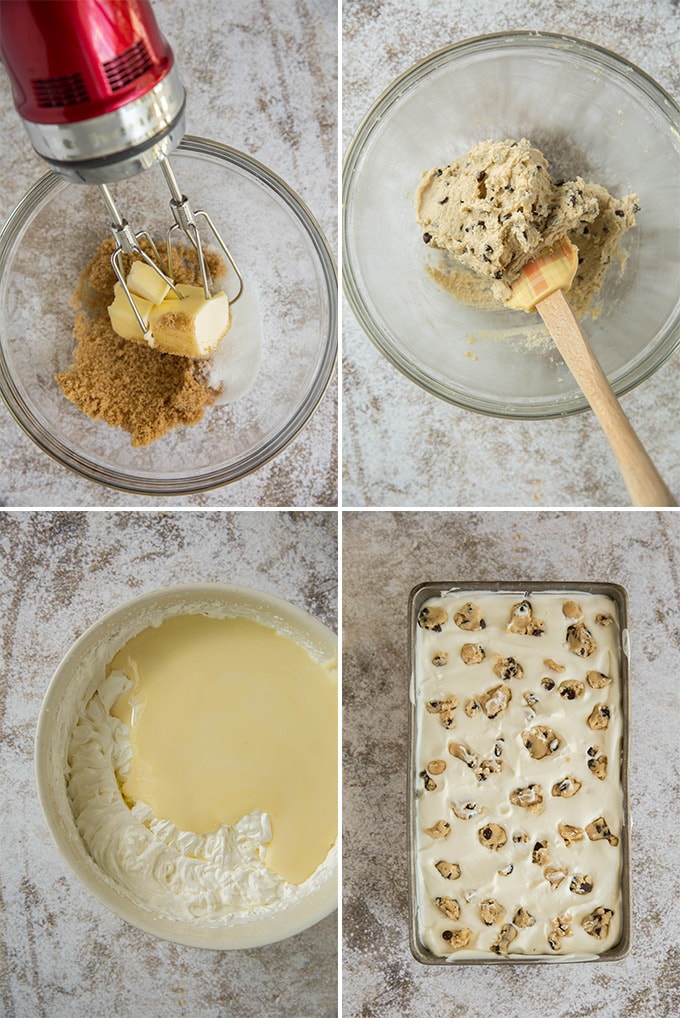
[130, 385]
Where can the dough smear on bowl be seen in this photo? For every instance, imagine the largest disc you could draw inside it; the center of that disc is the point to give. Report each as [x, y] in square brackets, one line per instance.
[496, 207]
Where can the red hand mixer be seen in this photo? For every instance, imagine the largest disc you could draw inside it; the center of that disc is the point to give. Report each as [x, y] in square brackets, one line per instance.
[96, 86]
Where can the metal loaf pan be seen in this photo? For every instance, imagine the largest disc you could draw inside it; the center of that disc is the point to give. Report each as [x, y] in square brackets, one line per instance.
[418, 596]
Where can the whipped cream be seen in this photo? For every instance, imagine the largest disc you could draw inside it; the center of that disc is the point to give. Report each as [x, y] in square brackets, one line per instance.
[469, 796]
[210, 878]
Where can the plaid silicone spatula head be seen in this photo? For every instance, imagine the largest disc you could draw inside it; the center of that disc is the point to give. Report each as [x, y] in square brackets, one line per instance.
[553, 269]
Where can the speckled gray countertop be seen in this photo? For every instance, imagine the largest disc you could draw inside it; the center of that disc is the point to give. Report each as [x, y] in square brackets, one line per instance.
[390, 425]
[384, 556]
[273, 67]
[62, 954]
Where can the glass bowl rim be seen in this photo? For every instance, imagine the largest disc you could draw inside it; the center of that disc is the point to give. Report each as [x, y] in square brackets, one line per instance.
[538, 40]
[36, 198]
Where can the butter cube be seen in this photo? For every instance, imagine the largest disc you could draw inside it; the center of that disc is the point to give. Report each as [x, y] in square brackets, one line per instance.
[145, 282]
[122, 316]
[193, 326]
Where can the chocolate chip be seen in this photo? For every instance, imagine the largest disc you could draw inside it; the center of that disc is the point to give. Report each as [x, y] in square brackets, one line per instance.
[636, 207]
[481, 175]
[427, 237]
[444, 200]
[447, 934]
[619, 212]
[487, 833]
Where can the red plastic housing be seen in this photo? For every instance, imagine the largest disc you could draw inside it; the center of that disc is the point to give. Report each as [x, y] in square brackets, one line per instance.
[70, 60]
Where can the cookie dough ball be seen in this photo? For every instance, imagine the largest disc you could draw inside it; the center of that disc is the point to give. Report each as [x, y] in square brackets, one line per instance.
[570, 689]
[530, 798]
[463, 753]
[492, 836]
[449, 870]
[553, 665]
[436, 766]
[598, 922]
[469, 617]
[523, 919]
[457, 939]
[505, 938]
[490, 912]
[599, 717]
[540, 741]
[572, 610]
[566, 788]
[445, 709]
[466, 810]
[540, 854]
[548, 683]
[450, 908]
[560, 928]
[570, 834]
[603, 619]
[598, 680]
[439, 658]
[507, 668]
[430, 785]
[441, 829]
[488, 767]
[581, 884]
[522, 620]
[554, 875]
[492, 702]
[472, 653]
[580, 640]
[433, 617]
[598, 830]
[597, 764]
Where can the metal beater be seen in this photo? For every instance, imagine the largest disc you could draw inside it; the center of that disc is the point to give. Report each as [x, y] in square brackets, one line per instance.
[97, 89]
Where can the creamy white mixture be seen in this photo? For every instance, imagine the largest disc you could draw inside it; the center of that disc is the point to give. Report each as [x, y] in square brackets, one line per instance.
[215, 878]
[508, 876]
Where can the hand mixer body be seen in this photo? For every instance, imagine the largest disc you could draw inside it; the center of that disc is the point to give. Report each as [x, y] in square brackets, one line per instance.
[95, 84]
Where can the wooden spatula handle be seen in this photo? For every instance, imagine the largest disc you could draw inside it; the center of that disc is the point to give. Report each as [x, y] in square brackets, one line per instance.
[642, 479]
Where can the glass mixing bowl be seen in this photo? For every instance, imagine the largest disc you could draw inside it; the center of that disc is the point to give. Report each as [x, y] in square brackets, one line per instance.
[289, 278]
[592, 114]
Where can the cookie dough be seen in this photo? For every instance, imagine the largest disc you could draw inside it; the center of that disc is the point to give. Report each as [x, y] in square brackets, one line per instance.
[496, 207]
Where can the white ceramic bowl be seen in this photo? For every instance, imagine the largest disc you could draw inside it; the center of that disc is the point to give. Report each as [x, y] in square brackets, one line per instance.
[72, 685]
[591, 113]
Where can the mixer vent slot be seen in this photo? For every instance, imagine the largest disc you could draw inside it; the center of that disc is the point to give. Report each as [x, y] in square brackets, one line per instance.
[64, 91]
[127, 67]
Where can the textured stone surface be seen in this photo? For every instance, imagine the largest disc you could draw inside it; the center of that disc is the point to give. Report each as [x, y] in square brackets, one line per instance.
[384, 556]
[261, 77]
[390, 423]
[62, 955]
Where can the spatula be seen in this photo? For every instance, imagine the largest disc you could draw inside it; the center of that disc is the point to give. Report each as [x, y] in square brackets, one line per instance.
[541, 288]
